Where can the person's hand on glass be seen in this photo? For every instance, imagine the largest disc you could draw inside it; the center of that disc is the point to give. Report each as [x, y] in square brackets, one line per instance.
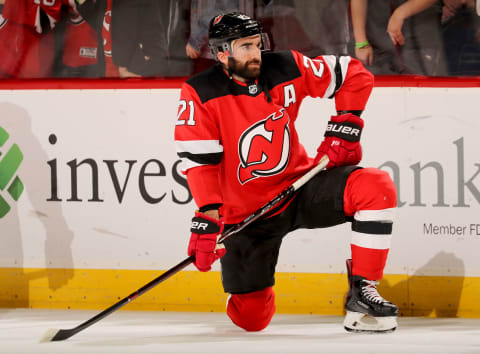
[365, 54]
[192, 53]
[394, 28]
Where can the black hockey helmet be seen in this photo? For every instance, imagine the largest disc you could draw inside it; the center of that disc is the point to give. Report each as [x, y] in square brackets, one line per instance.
[223, 29]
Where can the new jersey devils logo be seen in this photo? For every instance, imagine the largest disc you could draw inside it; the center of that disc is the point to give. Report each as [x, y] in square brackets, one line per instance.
[217, 19]
[264, 147]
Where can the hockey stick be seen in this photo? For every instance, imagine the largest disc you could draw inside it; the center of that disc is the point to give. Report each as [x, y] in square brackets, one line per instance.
[62, 334]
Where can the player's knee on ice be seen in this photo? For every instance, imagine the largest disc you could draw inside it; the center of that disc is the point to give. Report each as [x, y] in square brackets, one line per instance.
[252, 311]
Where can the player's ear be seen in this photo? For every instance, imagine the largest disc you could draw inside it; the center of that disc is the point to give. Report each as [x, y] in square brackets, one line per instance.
[223, 57]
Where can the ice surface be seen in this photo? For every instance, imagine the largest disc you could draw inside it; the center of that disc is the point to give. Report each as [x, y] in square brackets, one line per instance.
[185, 332]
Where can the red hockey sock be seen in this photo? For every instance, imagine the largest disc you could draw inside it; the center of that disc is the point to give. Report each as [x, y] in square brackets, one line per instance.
[252, 311]
[370, 196]
[368, 263]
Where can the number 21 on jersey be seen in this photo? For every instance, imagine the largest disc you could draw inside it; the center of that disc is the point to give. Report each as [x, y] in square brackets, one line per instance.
[187, 108]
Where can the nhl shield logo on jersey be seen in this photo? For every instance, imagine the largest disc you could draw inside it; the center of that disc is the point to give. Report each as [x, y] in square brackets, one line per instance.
[252, 89]
[264, 148]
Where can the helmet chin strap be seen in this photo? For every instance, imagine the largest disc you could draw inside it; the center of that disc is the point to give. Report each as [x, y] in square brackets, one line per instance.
[263, 82]
[229, 67]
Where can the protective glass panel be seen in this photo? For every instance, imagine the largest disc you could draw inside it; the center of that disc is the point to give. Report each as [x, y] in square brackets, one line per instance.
[168, 38]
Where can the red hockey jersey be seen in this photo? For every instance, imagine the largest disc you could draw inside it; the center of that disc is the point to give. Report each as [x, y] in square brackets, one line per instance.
[25, 53]
[79, 42]
[27, 12]
[238, 147]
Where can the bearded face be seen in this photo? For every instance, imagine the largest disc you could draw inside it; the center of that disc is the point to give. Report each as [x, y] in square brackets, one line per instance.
[249, 69]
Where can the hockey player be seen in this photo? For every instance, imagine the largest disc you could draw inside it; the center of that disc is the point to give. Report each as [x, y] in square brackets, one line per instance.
[235, 132]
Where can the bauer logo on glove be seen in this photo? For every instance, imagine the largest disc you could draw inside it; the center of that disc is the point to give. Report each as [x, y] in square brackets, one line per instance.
[203, 241]
[342, 141]
[200, 226]
[346, 131]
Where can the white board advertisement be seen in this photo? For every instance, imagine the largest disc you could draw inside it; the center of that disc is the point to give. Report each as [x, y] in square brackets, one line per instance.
[102, 187]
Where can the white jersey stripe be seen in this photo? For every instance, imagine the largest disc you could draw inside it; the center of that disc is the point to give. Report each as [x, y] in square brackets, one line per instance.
[38, 26]
[375, 215]
[344, 62]
[187, 164]
[199, 146]
[196, 147]
[331, 60]
[377, 242]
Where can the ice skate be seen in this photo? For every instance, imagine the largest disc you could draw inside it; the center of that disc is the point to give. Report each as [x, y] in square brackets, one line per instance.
[366, 310]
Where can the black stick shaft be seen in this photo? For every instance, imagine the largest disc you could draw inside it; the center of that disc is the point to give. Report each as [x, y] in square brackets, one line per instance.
[67, 333]
[284, 194]
[63, 334]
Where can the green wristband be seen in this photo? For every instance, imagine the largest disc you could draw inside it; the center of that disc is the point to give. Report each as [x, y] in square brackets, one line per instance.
[362, 44]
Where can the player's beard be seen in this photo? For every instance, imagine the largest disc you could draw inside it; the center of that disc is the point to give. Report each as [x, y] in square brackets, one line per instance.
[245, 70]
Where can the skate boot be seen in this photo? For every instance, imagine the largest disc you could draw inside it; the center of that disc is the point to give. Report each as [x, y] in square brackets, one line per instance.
[366, 310]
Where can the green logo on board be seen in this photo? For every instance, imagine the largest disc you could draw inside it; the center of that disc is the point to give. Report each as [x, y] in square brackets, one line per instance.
[11, 187]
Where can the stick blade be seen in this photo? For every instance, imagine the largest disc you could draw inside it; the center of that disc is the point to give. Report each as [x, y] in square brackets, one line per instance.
[49, 334]
[54, 335]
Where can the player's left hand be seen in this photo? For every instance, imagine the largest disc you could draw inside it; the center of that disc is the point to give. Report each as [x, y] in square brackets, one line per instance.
[342, 141]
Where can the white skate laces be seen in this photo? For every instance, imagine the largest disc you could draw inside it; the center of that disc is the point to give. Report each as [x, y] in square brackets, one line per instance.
[371, 293]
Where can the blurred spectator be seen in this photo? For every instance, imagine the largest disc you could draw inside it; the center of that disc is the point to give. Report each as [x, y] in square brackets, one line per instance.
[327, 25]
[279, 20]
[461, 33]
[400, 37]
[201, 12]
[40, 15]
[78, 47]
[98, 14]
[311, 27]
[149, 37]
[26, 39]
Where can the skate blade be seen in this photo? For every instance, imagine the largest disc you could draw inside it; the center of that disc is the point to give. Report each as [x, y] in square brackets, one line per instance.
[359, 322]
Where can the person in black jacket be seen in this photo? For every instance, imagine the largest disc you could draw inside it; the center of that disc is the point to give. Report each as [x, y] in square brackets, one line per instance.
[149, 37]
